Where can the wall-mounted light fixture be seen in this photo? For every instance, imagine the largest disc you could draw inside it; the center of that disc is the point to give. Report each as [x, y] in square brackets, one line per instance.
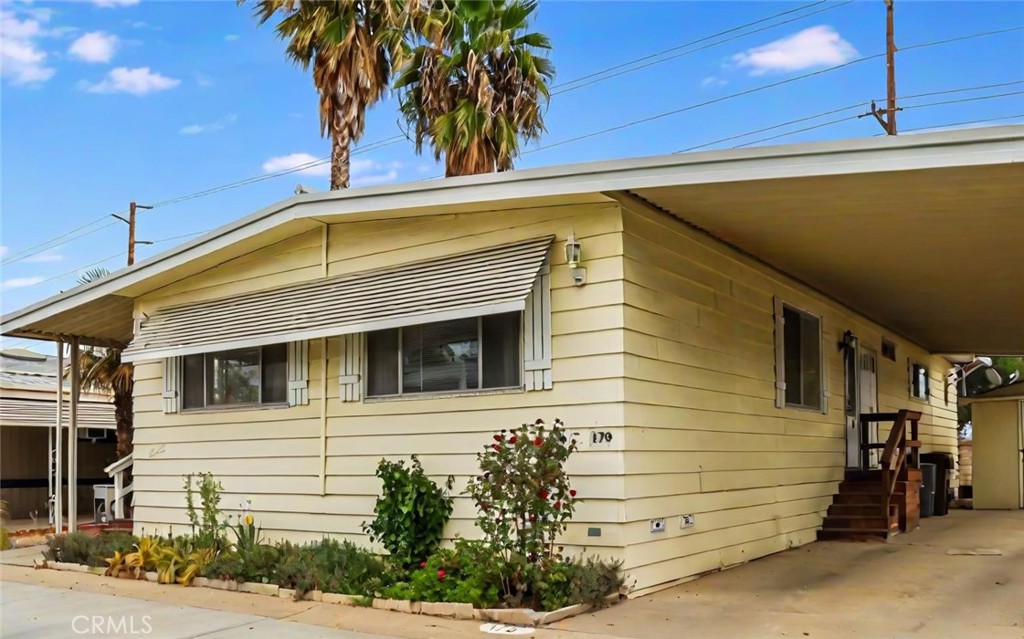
[573, 255]
[849, 342]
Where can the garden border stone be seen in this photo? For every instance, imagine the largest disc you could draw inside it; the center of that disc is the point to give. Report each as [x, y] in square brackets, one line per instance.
[462, 611]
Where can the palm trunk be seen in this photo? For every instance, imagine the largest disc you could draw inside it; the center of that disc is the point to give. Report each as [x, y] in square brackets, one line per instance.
[340, 160]
[123, 417]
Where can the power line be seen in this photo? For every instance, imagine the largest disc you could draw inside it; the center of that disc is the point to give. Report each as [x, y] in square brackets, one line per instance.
[763, 87]
[564, 88]
[847, 108]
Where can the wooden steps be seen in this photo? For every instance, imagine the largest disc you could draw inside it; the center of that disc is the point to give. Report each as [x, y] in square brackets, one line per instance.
[859, 510]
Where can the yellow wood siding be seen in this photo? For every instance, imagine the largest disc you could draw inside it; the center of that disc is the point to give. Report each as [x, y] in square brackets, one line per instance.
[703, 435]
[273, 456]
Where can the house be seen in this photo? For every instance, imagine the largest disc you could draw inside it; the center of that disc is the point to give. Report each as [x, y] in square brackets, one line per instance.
[722, 325]
[28, 417]
[997, 419]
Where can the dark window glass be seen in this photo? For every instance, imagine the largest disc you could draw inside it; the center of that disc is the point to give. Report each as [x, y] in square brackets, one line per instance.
[193, 387]
[802, 355]
[501, 348]
[457, 355]
[443, 356]
[275, 374]
[257, 375]
[382, 362]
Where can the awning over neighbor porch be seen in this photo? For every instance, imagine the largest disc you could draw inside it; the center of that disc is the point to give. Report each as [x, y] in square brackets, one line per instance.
[483, 282]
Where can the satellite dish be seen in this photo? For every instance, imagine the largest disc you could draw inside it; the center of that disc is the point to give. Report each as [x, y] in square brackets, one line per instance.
[993, 376]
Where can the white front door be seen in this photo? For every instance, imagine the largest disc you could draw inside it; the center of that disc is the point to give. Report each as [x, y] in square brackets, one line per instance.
[868, 395]
[851, 373]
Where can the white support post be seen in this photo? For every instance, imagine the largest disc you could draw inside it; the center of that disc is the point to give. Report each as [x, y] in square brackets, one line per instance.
[118, 495]
[58, 493]
[73, 439]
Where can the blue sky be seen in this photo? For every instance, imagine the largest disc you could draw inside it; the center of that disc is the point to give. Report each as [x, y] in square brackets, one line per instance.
[113, 100]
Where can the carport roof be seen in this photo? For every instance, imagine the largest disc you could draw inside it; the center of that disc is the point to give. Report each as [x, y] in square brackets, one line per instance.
[922, 233]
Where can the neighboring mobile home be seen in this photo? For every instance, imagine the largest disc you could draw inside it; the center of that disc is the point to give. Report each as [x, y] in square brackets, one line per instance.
[731, 317]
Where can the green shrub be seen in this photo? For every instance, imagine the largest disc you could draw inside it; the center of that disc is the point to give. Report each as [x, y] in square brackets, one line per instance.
[227, 565]
[80, 548]
[468, 573]
[522, 495]
[207, 524]
[330, 566]
[557, 584]
[411, 512]
[260, 563]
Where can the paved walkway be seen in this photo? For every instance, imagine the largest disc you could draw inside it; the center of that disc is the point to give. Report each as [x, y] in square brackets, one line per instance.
[38, 612]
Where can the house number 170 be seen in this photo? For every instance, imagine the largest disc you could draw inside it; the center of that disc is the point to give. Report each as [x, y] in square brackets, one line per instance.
[598, 437]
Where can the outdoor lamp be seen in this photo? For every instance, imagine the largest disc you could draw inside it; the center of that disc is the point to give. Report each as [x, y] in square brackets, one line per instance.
[849, 341]
[573, 253]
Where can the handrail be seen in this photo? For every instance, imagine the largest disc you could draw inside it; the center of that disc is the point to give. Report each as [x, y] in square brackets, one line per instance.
[117, 471]
[894, 456]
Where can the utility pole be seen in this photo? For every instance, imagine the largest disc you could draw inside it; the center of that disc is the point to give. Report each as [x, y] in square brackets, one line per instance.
[131, 229]
[889, 121]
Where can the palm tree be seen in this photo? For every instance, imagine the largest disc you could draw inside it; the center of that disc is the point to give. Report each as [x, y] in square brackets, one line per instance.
[350, 44]
[102, 369]
[474, 83]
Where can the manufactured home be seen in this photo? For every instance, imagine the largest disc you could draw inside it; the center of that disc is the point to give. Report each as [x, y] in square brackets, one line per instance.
[735, 335]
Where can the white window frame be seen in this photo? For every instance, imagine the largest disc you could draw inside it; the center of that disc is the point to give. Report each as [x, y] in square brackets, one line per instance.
[780, 359]
[446, 393]
[912, 365]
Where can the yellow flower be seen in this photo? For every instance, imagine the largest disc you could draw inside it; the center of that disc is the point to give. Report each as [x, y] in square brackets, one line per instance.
[248, 520]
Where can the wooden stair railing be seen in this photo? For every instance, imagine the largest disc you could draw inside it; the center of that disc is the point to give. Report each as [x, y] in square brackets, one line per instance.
[900, 453]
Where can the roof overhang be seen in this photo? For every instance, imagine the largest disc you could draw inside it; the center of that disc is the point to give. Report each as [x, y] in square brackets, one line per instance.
[903, 229]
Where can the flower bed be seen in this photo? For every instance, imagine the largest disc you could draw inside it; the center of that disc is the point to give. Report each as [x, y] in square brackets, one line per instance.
[515, 574]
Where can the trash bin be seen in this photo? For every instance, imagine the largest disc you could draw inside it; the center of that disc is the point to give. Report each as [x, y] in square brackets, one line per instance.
[927, 490]
[943, 471]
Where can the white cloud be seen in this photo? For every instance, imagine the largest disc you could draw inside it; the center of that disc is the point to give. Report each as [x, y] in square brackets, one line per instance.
[713, 81]
[285, 162]
[45, 257]
[20, 282]
[231, 37]
[95, 46]
[139, 81]
[203, 80]
[21, 58]
[813, 47]
[366, 172]
[111, 4]
[217, 125]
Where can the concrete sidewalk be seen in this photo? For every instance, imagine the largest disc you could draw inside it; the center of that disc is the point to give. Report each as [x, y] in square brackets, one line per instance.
[38, 612]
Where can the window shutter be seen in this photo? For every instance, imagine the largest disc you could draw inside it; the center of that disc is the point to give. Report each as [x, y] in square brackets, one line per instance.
[172, 382]
[824, 368]
[780, 355]
[298, 373]
[350, 375]
[537, 333]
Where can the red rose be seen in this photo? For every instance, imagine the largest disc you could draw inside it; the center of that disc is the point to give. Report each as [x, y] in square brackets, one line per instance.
[543, 494]
[572, 492]
[499, 438]
[512, 439]
[558, 505]
[539, 441]
[533, 517]
[484, 506]
[496, 447]
[440, 574]
[423, 564]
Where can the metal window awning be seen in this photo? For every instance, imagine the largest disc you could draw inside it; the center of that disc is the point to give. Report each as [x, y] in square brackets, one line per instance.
[19, 411]
[482, 282]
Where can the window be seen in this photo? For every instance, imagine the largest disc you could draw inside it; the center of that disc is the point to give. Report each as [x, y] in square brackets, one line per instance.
[459, 355]
[801, 347]
[919, 381]
[242, 377]
[888, 349]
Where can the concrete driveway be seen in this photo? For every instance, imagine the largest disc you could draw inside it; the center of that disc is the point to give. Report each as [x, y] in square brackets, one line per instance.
[909, 587]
